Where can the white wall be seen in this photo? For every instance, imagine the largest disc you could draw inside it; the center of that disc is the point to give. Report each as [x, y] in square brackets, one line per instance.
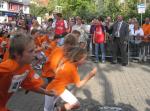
[2, 18]
[26, 9]
[5, 6]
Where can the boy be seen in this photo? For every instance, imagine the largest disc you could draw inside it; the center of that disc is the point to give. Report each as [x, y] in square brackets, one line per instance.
[16, 71]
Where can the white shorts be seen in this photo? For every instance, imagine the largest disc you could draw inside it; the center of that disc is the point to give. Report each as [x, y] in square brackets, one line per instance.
[68, 97]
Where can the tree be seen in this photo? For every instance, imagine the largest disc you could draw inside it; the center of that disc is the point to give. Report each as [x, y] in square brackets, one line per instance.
[37, 10]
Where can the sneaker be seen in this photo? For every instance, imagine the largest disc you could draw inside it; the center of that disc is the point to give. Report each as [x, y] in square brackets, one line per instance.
[103, 61]
[124, 64]
[96, 61]
[114, 62]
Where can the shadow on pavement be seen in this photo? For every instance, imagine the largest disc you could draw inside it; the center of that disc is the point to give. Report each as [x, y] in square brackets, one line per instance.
[88, 104]
[148, 102]
[108, 96]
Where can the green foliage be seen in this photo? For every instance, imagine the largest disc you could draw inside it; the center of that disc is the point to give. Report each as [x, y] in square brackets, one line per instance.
[38, 10]
[87, 9]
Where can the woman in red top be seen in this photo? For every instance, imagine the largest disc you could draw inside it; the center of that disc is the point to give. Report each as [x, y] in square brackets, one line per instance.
[99, 40]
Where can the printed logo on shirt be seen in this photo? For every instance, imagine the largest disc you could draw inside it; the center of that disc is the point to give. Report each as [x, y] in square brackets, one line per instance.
[16, 81]
[99, 32]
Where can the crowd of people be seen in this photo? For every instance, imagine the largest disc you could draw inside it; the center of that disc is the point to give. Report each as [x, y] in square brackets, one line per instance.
[58, 47]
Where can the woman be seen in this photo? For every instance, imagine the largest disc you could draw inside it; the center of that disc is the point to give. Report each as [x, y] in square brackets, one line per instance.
[136, 40]
[137, 33]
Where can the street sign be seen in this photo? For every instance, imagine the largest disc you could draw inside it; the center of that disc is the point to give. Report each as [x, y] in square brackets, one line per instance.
[141, 8]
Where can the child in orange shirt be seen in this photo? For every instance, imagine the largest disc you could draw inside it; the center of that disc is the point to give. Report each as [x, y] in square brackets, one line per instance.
[56, 55]
[16, 71]
[67, 73]
[3, 43]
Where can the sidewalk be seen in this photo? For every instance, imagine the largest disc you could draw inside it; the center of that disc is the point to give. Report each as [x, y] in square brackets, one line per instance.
[114, 85]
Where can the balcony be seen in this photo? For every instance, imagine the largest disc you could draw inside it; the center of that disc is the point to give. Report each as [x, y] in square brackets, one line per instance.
[20, 1]
[25, 2]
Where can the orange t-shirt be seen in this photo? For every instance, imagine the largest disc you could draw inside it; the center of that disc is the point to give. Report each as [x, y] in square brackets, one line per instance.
[6, 55]
[52, 62]
[12, 76]
[52, 46]
[37, 41]
[67, 74]
[146, 29]
[2, 49]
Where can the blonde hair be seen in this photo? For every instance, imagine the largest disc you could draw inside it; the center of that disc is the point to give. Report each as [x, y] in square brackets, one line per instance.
[70, 39]
[18, 43]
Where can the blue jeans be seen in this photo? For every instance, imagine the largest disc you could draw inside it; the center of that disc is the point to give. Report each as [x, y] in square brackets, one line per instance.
[102, 47]
[61, 41]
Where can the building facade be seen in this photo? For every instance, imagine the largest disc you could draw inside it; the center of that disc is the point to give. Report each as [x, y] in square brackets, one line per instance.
[11, 9]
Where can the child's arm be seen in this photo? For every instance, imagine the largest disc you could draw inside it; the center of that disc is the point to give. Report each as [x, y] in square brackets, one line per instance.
[86, 78]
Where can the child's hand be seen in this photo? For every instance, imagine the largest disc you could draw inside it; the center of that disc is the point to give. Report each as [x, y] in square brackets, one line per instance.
[51, 93]
[93, 72]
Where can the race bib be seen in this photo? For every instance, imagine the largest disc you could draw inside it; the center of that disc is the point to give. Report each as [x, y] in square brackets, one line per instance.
[36, 76]
[16, 81]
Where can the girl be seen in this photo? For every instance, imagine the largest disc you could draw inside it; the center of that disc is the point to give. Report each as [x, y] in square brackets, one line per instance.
[67, 73]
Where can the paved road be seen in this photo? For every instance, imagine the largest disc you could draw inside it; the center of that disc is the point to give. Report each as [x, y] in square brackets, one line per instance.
[113, 85]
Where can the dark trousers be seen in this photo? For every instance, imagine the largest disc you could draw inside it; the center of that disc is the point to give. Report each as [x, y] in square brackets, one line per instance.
[120, 45]
[93, 47]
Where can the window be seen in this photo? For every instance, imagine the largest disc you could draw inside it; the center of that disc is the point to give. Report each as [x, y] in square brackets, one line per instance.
[25, 8]
[10, 6]
[1, 4]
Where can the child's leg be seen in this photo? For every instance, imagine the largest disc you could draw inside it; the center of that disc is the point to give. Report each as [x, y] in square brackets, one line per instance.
[72, 101]
[49, 103]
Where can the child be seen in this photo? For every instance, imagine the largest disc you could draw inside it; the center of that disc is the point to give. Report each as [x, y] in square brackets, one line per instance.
[67, 73]
[16, 71]
[56, 55]
[77, 34]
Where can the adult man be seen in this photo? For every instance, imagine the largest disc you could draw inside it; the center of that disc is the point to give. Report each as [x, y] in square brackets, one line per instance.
[16, 71]
[120, 35]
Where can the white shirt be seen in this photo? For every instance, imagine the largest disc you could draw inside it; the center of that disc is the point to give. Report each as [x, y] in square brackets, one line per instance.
[131, 28]
[136, 35]
[137, 32]
[118, 29]
[81, 28]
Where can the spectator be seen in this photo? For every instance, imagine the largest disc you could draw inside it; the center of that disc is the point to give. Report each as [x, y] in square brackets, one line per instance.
[120, 38]
[81, 27]
[92, 29]
[99, 39]
[146, 29]
[60, 26]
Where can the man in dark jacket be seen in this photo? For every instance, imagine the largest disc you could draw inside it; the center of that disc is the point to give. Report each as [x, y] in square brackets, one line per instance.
[120, 35]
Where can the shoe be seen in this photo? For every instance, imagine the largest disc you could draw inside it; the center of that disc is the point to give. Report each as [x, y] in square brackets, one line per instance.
[124, 64]
[114, 62]
[103, 61]
[96, 61]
